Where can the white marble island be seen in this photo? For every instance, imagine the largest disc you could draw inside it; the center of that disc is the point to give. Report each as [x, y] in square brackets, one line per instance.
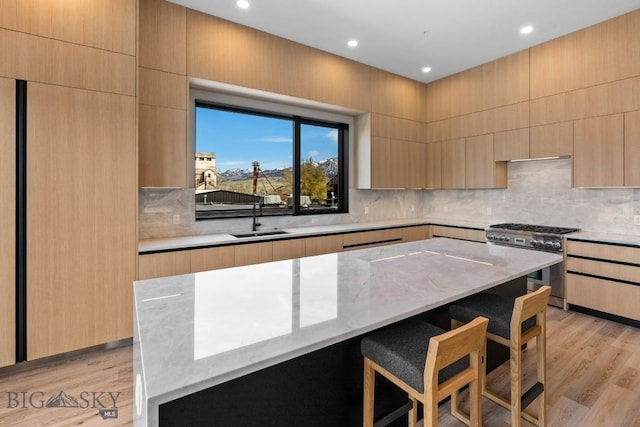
[197, 331]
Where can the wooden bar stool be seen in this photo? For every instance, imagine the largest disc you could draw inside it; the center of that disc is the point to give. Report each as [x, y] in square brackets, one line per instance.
[513, 323]
[429, 364]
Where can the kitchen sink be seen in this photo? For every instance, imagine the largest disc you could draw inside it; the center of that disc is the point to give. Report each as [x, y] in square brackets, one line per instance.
[259, 233]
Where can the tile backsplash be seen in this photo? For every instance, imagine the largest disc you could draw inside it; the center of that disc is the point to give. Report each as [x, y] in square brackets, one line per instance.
[539, 192]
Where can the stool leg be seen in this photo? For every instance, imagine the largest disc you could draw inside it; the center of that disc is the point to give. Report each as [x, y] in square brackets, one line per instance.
[541, 347]
[516, 384]
[413, 413]
[369, 393]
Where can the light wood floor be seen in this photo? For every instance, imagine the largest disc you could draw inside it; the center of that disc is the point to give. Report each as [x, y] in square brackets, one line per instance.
[593, 368]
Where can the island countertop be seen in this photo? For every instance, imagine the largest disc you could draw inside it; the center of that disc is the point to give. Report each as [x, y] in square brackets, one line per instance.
[199, 330]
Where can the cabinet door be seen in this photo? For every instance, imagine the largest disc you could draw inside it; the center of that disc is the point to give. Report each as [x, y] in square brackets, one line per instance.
[416, 165]
[433, 165]
[81, 218]
[389, 159]
[364, 239]
[323, 245]
[7, 225]
[253, 253]
[411, 234]
[212, 258]
[598, 151]
[288, 249]
[482, 171]
[453, 163]
[511, 145]
[552, 140]
[632, 148]
[163, 264]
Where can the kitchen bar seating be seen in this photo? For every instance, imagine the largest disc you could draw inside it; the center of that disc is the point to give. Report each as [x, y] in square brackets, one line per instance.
[429, 364]
[513, 323]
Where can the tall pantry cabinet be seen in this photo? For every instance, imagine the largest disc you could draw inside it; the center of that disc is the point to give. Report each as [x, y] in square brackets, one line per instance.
[78, 60]
[7, 225]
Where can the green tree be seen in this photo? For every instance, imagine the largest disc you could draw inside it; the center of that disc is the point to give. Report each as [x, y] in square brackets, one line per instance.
[313, 182]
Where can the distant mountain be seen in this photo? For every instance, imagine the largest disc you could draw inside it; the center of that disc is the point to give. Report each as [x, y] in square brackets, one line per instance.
[329, 167]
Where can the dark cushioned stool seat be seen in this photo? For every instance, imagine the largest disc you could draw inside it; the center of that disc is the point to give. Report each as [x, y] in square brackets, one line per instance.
[402, 350]
[496, 308]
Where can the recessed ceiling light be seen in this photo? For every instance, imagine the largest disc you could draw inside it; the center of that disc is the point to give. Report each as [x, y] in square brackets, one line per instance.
[426, 69]
[243, 4]
[526, 29]
[352, 43]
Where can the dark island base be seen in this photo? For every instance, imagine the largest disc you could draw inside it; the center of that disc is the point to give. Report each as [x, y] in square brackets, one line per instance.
[323, 388]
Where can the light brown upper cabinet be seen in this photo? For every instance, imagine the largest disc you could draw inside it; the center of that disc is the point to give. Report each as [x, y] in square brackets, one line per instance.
[598, 151]
[417, 165]
[552, 140]
[482, 171]
[453, 155]
[602, 53]
[632, 148]
[7, 225]
[108, 25]
[433, 165]
[511, 144]
[389, 163]
[163, 36]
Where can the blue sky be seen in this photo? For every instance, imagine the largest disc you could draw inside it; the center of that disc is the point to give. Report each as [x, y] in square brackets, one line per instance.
[239, 139]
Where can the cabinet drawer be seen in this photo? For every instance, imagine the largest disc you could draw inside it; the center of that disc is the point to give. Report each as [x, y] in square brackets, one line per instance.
[411, 234]
[629, 273]
[604, 295]
[459, 233]
[163, 264]
[212, 258]
[371, 238]
[604, 251]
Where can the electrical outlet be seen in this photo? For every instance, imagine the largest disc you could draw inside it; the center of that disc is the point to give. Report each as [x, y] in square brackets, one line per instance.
[366, 210]
[176, 219]
[636, 220]
[489, 211]
[413, 208]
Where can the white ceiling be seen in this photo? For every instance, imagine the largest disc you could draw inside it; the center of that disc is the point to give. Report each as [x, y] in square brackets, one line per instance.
[403, 36]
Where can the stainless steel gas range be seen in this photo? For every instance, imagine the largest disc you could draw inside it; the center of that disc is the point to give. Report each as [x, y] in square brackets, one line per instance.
[538, 238]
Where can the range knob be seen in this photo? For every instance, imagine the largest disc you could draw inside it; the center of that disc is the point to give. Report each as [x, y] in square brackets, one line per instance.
[548, 244]
[556, 246]
[536, 243]
[507, 238]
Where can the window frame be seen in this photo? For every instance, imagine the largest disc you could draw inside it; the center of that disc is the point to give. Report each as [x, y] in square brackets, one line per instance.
[201, 99]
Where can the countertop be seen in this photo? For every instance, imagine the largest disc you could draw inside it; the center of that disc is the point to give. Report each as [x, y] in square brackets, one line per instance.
[198, 330]
[623, 239]
[198, 241]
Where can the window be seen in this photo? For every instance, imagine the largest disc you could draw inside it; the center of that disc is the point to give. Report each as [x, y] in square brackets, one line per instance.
[274, 163]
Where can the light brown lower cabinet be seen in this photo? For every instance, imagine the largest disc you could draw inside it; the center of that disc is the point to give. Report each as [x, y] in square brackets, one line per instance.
[321, 245]
[289, 249]
[253, 253]
[7, 225]
[476, 235]
[419, 232]
[163, 264]
[604, 277]
[211, 258]
[365, 239]
[81, 218]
